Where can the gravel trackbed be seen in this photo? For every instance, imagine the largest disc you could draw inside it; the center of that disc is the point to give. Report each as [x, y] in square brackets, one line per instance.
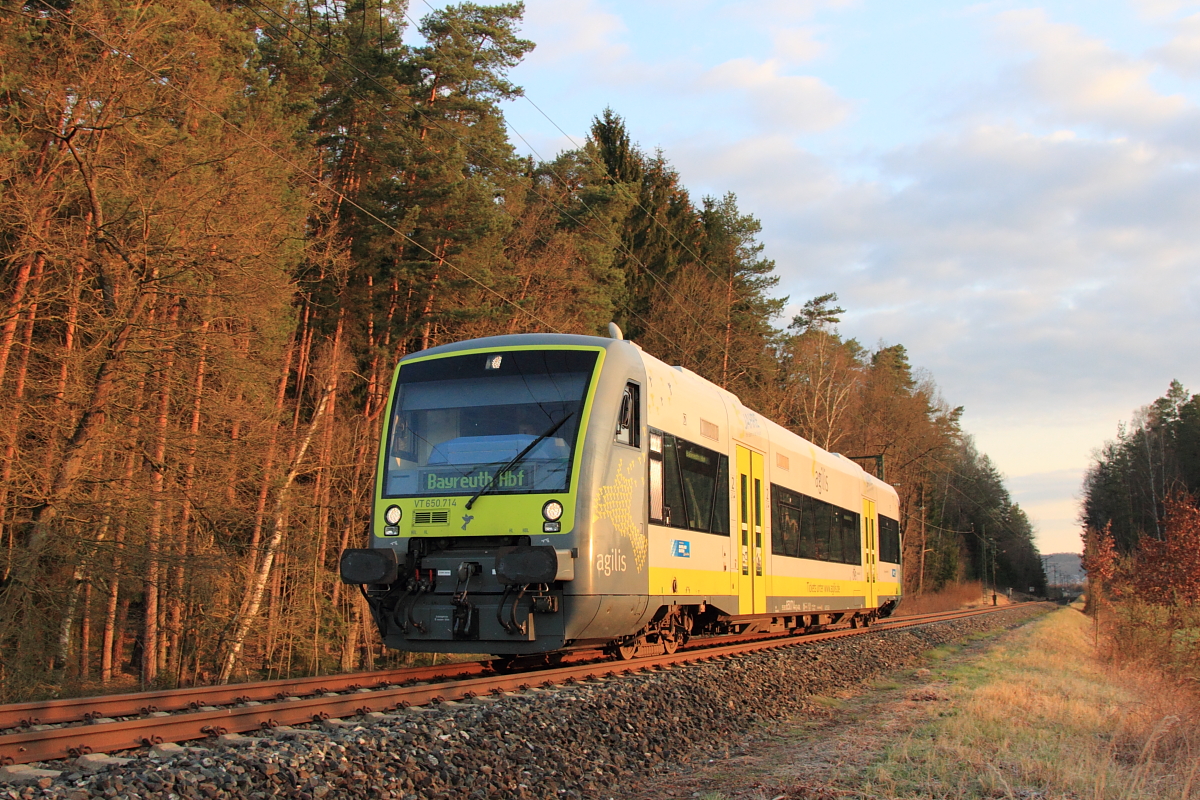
[582, 740]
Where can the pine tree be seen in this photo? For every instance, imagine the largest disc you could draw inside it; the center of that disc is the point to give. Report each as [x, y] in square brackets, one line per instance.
[167, 238]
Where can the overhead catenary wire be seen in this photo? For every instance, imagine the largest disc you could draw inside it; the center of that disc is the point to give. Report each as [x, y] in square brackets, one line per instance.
[65, 19]
[1003, 525]
[290, 163]
[436, 123]
[299, 169]
[621, 186]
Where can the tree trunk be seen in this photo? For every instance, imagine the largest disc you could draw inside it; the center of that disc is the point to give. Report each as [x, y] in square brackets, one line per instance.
[13, 429]
[302, 364]
[110, 620]
[324, 486]
[253, 599]
[67, 624]
[29, 265]
[183, 541]
[122, 631]
[151, 587]
[264, 489]
[85, 631]
[88, 428]
[426, 327]
[72, 321]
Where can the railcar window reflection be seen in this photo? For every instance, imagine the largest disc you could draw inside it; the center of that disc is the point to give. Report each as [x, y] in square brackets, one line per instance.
[457, 419]
[689, 485]
[889, 540]
[656, 477]
[805, 527]
[673, 513]
[720, 514]
[629, 417]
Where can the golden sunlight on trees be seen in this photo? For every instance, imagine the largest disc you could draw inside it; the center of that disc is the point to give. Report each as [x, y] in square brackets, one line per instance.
[222, 225]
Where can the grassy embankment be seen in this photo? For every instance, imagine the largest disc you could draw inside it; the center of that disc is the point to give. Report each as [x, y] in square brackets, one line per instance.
[1041, 715]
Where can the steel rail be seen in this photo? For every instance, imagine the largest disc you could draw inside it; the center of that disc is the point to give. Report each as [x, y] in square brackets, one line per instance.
[934, 616]
[56, 743]
[131, 704]
[82, 709]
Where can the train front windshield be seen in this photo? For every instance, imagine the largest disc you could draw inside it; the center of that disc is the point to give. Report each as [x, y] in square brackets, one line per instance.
[458, 420]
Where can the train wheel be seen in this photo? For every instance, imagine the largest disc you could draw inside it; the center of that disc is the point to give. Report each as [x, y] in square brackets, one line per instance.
[627, 651]
[503, 663]
[670, 644]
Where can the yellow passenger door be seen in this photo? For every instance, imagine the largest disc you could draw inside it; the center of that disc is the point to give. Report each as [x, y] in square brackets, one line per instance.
[870, 553]
[752, 592]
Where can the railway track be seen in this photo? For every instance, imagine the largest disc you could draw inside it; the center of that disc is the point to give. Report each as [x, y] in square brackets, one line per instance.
[72, 727]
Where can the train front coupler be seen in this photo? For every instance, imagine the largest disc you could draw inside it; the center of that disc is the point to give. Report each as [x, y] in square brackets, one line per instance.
[376, 572]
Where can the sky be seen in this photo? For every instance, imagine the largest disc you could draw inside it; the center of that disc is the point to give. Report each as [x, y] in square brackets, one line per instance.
[1009, 190]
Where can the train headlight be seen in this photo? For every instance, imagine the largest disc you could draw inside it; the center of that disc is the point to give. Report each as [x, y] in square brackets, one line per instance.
[393, 515]
[552, 511]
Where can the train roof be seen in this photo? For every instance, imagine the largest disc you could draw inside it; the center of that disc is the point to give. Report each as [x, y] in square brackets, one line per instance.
[517, 340]
[778, 436]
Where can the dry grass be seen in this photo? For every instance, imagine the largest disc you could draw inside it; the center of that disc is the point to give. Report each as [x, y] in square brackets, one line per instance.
[1042, 717]
[950, 597]
[1155, 636]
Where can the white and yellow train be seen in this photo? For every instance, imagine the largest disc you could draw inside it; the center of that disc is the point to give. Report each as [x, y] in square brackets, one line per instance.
[541, 492]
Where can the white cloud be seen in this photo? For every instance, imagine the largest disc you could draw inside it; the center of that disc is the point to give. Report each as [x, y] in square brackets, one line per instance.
[796, 45]
[1162, 9]
[1082, 79]
[1050, 498]
[1026, 272]
[573, 30]
[767, 169]
[776, 12]
[792, 103]
[1182, 53]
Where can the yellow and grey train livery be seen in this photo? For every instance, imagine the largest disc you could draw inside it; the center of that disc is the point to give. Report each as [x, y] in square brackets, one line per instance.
[538, 492]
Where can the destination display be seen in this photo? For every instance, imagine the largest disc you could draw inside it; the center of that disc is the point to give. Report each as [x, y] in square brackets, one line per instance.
[527, 477]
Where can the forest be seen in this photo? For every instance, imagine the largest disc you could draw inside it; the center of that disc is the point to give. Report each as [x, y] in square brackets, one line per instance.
[1132, 477]
[221, 225]
[1141, 535]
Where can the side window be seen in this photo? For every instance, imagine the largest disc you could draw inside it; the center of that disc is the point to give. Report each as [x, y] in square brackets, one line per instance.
[673, 513]
[698, 468]
[786, 515]
[819, 531]
[844, 537]
[628, 418]
[851, 538]
[689, 485]
[806, 527]
[889, 540]
[657, 503]
[720, 515]
[808, 543]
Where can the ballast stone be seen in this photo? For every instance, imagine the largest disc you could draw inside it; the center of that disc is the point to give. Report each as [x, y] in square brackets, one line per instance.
[167, 750]
[334, 723]
[25, 774]
[235, 739]
[95, 762]
[676, 711]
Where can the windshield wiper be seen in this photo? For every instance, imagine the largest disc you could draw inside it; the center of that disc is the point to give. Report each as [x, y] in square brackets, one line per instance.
[517, 458]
